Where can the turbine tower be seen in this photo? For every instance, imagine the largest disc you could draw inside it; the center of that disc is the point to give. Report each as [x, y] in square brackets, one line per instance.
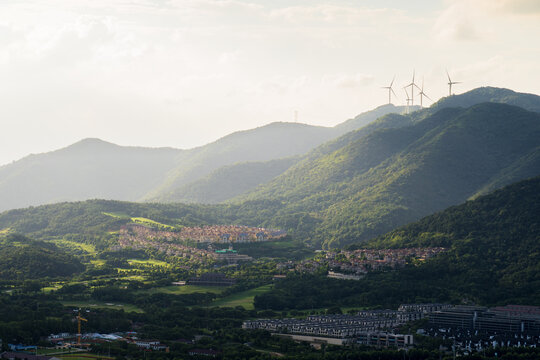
[412, 85]
[408, 99]
[390, 90]
[422, 94]
[450, 83]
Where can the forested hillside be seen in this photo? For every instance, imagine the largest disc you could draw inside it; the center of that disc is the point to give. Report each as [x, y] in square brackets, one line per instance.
[493, 242]
[390, 177]
[491, 259]
[24, 259]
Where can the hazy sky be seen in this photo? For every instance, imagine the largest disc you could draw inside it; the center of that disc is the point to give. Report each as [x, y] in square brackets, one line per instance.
[182, 73]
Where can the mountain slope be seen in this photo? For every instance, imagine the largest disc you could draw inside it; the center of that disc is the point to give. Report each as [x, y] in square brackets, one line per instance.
[96, 169]
[368, 117]
[88, 169]
[232, 180]
[394, 176]
[269, 142]
[491, 259]
[492, 243]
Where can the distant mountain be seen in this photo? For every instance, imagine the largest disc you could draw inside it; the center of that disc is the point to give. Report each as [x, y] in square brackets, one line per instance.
[492, 247]
[367, 117]
[479, 95]
[269, 142]
[390, 177]
[88, 169]
[230, 181]
[93, 168]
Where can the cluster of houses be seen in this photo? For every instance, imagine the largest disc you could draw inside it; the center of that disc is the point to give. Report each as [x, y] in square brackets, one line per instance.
[362, 327]
[362, 261]
[229, 234]
[137, 236]
[142, 237]
[353, 265]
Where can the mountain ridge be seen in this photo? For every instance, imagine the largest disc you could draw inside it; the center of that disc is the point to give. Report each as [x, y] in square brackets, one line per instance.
[373, 183]
[94, 168]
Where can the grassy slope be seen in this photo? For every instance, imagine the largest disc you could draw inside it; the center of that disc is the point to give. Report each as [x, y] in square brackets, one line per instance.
[244, 298]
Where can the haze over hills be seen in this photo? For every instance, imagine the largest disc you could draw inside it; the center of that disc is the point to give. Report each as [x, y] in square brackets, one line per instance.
[273, 141]
[230, 181]
[87, 169]
[394, 170]
[93, 168]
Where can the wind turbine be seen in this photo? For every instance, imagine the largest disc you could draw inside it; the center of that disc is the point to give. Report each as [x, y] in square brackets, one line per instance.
[450, 83]
[390, 90]
[412, 85]
[422, 94]
[408, 98]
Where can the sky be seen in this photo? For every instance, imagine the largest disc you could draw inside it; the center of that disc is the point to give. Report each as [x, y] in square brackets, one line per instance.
[182, 73]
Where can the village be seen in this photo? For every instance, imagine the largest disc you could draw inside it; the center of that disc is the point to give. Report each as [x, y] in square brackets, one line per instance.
[354, 264]
[183, 244]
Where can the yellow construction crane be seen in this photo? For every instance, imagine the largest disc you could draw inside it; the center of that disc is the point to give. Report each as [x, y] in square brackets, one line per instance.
[79, 334]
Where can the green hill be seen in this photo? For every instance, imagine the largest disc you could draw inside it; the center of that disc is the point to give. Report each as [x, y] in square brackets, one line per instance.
[394, 176]
[491, 259]
[493, 245]
[23, 258]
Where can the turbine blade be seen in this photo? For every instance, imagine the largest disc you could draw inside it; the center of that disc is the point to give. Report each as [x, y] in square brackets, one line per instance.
[393, 92]
[394, 78]
[447, 74]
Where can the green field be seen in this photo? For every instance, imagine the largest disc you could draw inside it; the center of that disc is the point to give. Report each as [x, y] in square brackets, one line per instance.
[117, 215]
[102, 305]
[186, 289]
[68, 244]
[244, 298]
[139, 220]
[149, 262]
